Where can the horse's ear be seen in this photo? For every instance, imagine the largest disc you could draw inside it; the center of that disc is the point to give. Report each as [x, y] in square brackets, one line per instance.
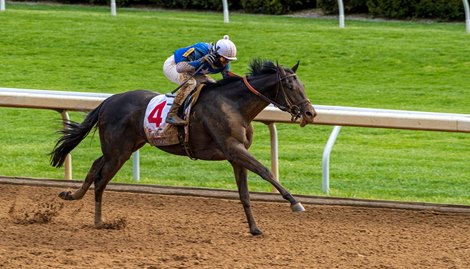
[294, 68]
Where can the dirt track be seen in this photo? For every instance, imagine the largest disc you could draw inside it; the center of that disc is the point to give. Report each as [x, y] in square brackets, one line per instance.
[38, 230]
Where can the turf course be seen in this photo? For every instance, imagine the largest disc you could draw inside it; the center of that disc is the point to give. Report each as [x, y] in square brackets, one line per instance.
[378, 64]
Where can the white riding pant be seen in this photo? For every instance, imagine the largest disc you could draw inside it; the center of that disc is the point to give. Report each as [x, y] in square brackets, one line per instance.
[169, 69]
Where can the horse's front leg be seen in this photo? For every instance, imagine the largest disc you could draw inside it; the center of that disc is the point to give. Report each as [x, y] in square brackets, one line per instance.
[239, 155]
[241, 178]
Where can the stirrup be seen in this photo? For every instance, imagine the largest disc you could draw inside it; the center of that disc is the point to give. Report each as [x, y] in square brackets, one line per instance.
[175, 120]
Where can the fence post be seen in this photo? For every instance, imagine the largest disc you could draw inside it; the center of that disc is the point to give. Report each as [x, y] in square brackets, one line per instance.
[467, 15]
[68, 159]
[341, 13]
[225, 7]
[113, 7]
[274, 152]
[2, 5]
[326, 159]
[136, 165]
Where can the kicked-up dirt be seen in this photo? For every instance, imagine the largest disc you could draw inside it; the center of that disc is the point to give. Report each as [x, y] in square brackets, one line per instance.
[39, 230]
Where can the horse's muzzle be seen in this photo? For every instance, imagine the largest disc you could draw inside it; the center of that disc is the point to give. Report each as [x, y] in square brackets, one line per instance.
[308, 113]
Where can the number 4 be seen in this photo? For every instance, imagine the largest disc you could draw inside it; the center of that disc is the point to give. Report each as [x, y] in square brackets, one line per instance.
[156, 114]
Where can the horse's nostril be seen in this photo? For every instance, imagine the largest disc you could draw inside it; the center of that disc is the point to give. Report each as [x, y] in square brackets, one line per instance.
[309, 114]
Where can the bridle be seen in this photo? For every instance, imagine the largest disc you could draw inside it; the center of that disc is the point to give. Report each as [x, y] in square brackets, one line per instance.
[292, 107]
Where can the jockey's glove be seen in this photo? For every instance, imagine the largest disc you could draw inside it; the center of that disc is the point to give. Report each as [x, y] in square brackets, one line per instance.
[211, 58]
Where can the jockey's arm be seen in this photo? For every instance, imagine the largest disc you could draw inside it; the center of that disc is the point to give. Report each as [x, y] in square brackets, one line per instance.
[189, 67]
[185, 67]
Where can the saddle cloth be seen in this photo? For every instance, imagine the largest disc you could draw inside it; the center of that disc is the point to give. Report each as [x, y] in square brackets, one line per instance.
[160, 133]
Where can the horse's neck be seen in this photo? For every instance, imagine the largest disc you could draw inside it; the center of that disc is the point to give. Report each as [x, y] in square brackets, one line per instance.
[249, 104]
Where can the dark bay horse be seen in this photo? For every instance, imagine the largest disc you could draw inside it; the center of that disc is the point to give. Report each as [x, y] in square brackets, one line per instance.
[220, 128]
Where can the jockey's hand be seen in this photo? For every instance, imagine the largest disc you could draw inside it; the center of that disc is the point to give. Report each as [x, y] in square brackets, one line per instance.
[211, 58]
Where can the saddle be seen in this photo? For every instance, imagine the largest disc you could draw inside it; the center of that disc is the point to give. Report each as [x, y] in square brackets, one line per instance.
[158, 132]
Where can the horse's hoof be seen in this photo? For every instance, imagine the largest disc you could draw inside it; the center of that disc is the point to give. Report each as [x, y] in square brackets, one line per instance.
[298, 207]
[256, 232]
[66, 195]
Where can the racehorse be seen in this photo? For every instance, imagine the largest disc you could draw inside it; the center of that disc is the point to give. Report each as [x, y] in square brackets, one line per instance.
[220, 129]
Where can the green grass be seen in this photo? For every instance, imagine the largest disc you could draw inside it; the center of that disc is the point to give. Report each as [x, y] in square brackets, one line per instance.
[393, 65]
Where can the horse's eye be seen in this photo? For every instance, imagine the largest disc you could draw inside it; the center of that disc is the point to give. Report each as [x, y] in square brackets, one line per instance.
[291, 84]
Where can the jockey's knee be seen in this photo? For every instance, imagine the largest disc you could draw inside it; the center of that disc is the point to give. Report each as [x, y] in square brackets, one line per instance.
[191, 82]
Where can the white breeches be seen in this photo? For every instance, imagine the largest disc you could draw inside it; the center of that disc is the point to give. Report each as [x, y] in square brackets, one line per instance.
[169, 69]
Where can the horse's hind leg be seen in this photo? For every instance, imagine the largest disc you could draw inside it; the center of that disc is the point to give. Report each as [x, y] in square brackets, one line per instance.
[109, 169]
[78, 194]
[115, 154]
[101, 172]
[241, 178]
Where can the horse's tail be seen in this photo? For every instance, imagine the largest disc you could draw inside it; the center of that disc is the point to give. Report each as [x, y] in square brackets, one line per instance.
[72, 135]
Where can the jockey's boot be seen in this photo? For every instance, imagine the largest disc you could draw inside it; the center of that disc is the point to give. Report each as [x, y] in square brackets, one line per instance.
[172, 117]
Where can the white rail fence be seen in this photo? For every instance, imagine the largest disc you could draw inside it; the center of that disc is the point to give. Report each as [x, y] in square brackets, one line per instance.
[337, 116]
[465, 7]
[340, 11]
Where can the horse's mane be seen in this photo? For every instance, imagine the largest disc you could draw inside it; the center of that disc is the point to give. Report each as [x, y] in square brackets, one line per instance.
[260, 67]
[256, 67]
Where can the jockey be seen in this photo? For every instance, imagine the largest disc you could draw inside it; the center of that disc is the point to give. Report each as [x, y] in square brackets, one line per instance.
[192, 66]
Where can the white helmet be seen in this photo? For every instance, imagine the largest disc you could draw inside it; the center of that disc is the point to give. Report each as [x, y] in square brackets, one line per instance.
[225, 48]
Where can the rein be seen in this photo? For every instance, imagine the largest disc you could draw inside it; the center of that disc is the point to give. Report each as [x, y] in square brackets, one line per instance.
[292, 108]
[253, 90]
